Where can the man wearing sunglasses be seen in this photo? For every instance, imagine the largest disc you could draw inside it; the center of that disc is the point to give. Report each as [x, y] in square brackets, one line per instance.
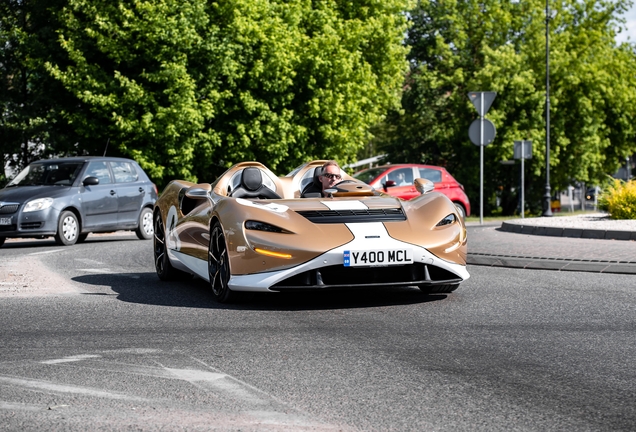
[330, 175]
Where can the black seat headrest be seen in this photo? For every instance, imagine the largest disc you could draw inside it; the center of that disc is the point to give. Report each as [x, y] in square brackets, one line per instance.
[251, 178]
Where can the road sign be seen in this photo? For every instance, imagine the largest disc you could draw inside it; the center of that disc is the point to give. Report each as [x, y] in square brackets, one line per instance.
[481, 132]
[523, 149]
[482, 101]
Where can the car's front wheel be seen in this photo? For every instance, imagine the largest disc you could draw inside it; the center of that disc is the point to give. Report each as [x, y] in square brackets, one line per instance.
[163, 267]
[460, 210]
[145, 229]
[67, 229]
[219, 265]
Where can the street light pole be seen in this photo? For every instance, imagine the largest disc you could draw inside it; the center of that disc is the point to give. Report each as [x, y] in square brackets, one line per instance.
[547, 197]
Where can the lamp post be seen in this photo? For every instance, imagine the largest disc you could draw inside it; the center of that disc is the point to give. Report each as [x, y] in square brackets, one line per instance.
[547, 196]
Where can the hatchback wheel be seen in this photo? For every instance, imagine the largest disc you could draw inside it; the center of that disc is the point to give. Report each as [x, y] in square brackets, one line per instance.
[145, 229]
[67, 229]
[460, 210]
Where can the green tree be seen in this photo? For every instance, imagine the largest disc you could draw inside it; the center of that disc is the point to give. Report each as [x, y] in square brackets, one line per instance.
[188, 87]
[494, 45]
[31, 101]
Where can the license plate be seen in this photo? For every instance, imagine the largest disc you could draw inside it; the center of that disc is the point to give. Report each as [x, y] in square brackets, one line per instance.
[5, 221]
[384, 257]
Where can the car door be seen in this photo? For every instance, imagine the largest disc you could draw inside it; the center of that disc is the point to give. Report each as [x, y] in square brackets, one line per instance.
[99, 202]
[403, 178]
[130, 193]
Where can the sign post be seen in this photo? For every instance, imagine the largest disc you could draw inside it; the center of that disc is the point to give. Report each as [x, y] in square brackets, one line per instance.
[481, 133]
[523, 151]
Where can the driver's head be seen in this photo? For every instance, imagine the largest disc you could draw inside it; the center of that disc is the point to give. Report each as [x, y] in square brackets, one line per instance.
[330, 174]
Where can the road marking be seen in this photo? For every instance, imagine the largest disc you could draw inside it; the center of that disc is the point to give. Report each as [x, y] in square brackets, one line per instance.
[46, 252]
[49, 386]
[70, 359]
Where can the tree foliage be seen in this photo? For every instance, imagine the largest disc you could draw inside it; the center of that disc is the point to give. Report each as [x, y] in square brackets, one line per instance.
[494, 45]
[188, 87]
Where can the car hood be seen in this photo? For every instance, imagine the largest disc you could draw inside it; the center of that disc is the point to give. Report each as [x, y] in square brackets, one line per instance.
[21, 194]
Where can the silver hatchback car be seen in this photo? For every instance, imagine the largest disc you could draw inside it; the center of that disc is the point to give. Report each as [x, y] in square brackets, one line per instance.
[68, 198]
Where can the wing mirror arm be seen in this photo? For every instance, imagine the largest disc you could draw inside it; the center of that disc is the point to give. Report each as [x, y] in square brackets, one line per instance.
[199, 191]
[423, 186]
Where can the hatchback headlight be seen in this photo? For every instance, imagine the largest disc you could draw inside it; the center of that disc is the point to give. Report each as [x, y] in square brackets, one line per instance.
[38, 204]
[447, 220]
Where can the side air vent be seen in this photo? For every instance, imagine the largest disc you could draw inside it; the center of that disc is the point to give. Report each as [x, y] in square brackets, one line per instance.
[350, 216]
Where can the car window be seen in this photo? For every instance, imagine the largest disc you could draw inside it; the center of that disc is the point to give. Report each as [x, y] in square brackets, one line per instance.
[402, 176]
[100, 170]
[54, 173]
[124, 172]
[367, 176]
[431, 174]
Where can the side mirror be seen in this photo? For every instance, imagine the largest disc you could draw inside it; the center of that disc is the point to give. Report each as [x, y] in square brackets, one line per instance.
[388, 184]
[199, 191]
[90, 181]
[423, 185]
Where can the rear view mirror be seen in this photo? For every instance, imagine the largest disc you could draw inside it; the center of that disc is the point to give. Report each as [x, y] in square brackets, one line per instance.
[423, 185]
[388, 184]
[199, 191]
[90, 181]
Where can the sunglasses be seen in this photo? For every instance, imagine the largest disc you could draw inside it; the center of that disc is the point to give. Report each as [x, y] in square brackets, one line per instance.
[332, 176]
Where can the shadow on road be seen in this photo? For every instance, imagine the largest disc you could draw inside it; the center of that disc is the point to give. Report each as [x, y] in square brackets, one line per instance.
[146, 288]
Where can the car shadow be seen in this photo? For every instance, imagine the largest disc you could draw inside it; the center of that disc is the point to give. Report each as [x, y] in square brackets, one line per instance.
[146, 288]
[25, 243]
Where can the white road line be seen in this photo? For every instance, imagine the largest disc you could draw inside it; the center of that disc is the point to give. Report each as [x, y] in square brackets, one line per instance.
[70, 359]
[46, 252]
[60, 388]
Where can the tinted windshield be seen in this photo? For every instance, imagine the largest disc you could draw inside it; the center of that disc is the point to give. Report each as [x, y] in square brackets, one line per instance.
[51, 173]
[369, 175]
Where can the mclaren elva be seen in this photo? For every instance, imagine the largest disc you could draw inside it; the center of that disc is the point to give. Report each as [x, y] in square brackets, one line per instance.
[251, 230]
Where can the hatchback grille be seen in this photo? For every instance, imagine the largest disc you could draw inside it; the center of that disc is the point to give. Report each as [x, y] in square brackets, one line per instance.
[30, 225]
[9, 208]
[362, 215]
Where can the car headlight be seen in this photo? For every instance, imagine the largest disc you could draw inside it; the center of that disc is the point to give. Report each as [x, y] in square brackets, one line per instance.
[262, 226]
[38, 204]
[447, 220]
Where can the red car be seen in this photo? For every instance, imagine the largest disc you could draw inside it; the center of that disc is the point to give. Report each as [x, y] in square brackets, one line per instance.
[397, 180]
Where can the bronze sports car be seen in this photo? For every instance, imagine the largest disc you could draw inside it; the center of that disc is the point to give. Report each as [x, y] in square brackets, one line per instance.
[253, 231]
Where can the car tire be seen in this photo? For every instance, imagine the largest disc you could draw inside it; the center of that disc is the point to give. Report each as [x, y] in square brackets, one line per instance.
[82, 238]
[219, 265]
[438, 289]
[163, 267]
[67, 229]
[2, 239]
[460, 210]
[145, 229]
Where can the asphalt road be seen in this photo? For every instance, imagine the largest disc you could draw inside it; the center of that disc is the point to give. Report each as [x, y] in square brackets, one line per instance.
[92, 340]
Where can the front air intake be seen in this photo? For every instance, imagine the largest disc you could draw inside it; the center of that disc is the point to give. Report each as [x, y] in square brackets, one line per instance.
[352, 216]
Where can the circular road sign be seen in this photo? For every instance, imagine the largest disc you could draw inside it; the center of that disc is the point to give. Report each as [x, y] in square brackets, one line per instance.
[475, 132]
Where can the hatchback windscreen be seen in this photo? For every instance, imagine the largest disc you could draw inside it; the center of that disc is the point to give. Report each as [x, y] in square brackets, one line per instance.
[37, 174]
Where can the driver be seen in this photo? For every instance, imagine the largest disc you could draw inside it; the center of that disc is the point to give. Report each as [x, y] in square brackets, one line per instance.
[330, 175]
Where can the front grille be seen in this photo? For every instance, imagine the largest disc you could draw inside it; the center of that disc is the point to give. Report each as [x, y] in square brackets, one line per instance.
[339, 276]
[30, 225]
[346, 216]
[9, 208]
[4, 228]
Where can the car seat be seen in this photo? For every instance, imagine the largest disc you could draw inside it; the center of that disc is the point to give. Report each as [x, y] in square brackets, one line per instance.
[252, 186]
[313, 189]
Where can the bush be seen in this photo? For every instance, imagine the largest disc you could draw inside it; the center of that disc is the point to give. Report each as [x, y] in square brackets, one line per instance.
[619, 199]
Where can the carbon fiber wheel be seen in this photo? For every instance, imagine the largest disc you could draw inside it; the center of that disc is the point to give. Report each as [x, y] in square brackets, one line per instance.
[163, 267]
[219, 265]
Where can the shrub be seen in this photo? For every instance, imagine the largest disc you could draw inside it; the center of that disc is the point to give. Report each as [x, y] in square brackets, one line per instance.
[619, 199]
